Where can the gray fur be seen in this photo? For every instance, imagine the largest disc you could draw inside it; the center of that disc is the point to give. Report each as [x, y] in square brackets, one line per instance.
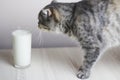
[87, 21]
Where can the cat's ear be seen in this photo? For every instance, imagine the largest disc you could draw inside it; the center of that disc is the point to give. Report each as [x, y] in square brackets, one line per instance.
[97, 2]
[56, 14]
[94, 2]
[54, 1]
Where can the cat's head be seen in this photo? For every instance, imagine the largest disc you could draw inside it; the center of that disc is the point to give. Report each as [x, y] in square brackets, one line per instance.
[49, 17]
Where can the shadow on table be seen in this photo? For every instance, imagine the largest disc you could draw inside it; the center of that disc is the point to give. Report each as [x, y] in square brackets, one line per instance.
[112, 56]
[64, 58]
[6, 57]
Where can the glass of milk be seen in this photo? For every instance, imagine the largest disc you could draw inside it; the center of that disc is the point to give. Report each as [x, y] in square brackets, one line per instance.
[21, 48]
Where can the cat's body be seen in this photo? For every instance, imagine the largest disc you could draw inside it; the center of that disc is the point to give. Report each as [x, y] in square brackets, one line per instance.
[111, 31]
[94, 23]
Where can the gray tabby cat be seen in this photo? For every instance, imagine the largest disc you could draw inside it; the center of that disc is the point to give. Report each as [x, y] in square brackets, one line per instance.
[94, 23]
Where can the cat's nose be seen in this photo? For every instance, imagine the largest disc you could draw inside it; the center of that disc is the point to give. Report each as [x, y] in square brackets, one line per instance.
[39, 26]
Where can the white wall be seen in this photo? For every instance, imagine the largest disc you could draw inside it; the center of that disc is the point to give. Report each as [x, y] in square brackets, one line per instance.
[15, 14]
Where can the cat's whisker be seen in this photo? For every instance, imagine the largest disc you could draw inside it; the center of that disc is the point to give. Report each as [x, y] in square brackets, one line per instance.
[39, 39]
[42, 40]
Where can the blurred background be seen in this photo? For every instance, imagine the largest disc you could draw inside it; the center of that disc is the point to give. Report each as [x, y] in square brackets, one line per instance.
[22, 14]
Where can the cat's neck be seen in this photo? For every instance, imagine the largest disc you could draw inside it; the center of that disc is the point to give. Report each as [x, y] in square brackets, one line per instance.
[66, 11]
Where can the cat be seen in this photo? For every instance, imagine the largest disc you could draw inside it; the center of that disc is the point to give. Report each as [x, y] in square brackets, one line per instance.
[94, 23]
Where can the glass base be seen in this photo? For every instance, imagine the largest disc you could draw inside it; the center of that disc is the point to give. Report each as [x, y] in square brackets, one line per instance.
[21, 67]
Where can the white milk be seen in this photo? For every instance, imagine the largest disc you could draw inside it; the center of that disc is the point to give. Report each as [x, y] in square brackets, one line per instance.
[21, 48]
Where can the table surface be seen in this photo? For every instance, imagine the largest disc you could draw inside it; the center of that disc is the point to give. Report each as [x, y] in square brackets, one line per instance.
[59, 64]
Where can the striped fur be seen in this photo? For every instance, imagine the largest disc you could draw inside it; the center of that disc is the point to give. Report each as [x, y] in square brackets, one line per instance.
[94, 23]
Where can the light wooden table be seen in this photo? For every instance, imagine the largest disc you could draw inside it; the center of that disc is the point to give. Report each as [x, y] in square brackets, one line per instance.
[59, 64]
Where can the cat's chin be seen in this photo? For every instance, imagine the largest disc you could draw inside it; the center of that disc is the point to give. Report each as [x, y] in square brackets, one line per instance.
[45, 30]
[57, 31]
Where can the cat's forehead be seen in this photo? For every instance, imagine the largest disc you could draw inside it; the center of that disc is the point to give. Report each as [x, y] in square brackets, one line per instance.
[52, 5]
[48, 6]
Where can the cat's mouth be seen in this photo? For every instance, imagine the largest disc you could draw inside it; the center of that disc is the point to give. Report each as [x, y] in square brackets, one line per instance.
[45, 28]
[40, 26]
